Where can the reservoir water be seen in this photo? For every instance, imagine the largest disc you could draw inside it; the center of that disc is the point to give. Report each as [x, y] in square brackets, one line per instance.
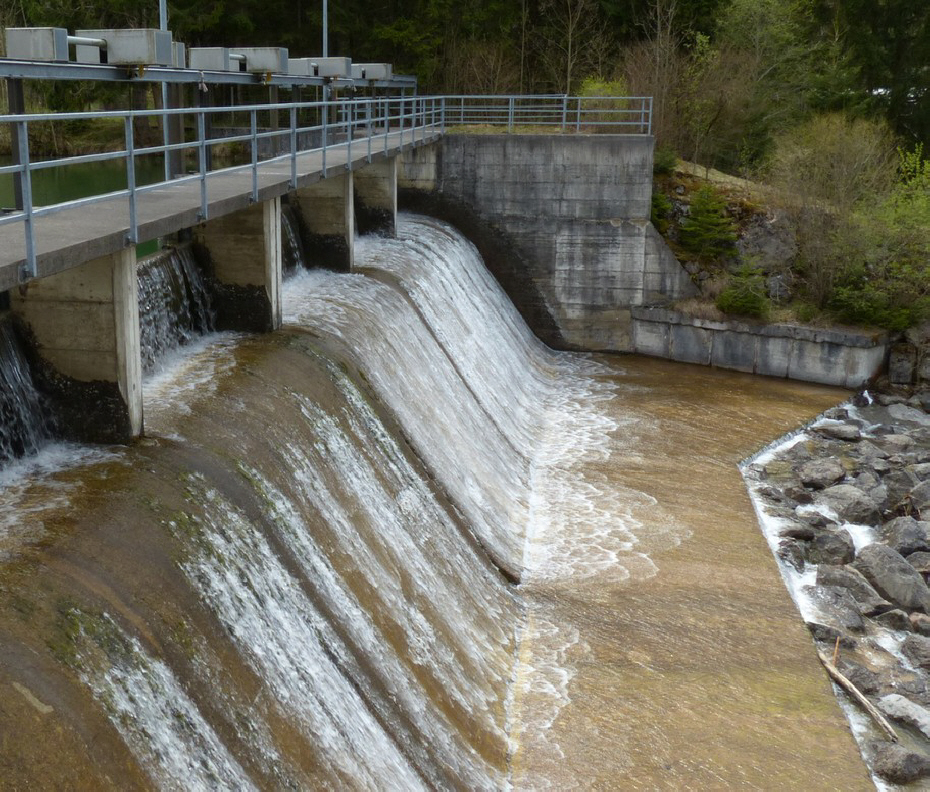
[401, 544]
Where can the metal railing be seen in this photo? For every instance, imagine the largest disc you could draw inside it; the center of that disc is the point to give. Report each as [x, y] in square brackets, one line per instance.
[357, 126]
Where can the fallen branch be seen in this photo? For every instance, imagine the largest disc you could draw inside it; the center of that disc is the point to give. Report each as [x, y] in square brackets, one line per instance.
[850, 688]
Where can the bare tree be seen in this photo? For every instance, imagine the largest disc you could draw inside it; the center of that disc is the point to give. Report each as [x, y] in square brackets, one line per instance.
[563, 41]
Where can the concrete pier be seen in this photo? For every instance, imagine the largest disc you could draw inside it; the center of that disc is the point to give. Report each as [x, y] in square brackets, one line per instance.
[84, 328]
[327, 212]
[242, 251]
[376, 198]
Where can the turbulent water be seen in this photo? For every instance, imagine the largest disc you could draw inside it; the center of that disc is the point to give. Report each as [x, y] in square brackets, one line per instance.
[24, 425]
[174, 305]
[305, 575]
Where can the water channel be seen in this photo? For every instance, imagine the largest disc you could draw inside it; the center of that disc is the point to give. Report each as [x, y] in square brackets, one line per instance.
[400, 544]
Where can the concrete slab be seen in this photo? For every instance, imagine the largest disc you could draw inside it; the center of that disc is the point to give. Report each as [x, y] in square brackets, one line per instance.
[72, 236]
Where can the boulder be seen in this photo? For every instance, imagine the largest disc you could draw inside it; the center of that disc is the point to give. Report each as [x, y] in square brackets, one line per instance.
[894, 443]
[825, 634]
[899, 484]
[831, 547]
[920, 498]
[868, 599]
[838, 605]
[893, 578]
[839, 431]
[906, 535]
[906, 711]
[894, 620]
[850, 503]
[921, 470]
[920, 561]
[916, 648]
[901, 412]
[920, 623]
[821, 473]
[897, 764]
[791, 552]
[803, 532]
[814, 520]
[799, 495]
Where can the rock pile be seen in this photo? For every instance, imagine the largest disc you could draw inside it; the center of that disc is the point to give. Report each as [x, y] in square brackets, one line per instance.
[847, 509]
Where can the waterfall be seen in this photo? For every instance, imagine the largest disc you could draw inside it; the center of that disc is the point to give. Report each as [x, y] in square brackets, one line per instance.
[174, 304]
[292, 248]
[296, 580]
[24, 425]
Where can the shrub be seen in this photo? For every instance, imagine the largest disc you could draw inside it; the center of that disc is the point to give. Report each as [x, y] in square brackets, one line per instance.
[661, 207]
[708, 232]
[745, 294]
[664, 161]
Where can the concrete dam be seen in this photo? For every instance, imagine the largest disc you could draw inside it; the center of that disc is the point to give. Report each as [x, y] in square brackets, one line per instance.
[397, 522]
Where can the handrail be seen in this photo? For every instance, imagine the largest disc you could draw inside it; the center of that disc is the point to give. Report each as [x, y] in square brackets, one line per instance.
[337, 123]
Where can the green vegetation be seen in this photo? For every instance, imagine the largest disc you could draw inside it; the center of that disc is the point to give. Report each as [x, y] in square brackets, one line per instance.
[707, 232]
[728, 76]
[745, 294]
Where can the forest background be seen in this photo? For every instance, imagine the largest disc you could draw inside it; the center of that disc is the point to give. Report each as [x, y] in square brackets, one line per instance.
[826, 102]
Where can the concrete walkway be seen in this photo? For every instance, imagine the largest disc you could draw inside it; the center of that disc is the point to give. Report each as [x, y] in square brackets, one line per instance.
[74, 235]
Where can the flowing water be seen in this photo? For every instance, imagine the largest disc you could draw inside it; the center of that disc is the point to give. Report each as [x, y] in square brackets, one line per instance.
[24, 425]
[174, 304]
[400, 544]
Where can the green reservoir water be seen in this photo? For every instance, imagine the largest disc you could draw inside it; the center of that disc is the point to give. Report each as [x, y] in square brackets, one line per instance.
[68, 183]
[71, 182]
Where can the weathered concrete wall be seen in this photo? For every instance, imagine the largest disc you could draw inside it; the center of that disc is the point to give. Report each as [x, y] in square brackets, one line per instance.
[830, 357]
[327, 213]
[376, 197]
[83, 328]
[576, 211]
[243, 251]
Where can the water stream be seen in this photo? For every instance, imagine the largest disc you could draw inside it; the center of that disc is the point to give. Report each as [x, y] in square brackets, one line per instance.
[305, 575]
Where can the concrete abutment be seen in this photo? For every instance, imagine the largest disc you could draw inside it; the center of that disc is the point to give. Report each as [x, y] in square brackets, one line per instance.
[376, 198]
[243, 255]
[83, 325]
[327, 213]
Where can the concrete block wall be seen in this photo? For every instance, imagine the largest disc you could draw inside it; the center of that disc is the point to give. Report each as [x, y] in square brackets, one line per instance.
[84, 327]
[575, 209]
[829, 357]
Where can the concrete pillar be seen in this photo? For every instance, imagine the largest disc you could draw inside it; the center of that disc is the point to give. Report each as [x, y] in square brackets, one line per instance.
[84, 327]
[243, 250]
[327, 214]
[376, 197]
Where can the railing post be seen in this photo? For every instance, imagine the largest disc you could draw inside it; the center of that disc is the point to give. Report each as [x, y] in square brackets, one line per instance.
[386, 104]
[349, 117]
[578, 115]
[510, 114]
[368, 125]
[254, 132]
[293, 148]
[133, 237]
[16, 101]
[202, 163]
[22, 131]
[325, 113]
[442, 115]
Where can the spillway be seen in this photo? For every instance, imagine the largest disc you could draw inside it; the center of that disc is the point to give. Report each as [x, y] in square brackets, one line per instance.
[382, 548]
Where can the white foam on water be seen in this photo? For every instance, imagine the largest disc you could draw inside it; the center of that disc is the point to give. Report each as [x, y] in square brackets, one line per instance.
[158, 720]
[184, 375]
[287, 642]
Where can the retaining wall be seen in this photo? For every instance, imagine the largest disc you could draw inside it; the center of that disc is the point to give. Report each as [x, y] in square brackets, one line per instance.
[830, 357]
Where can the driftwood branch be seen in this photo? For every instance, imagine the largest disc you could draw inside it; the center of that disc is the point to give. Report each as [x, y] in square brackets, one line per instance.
[850, 688]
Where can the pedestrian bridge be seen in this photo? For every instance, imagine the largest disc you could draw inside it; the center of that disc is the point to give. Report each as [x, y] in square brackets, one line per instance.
[70, 269]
